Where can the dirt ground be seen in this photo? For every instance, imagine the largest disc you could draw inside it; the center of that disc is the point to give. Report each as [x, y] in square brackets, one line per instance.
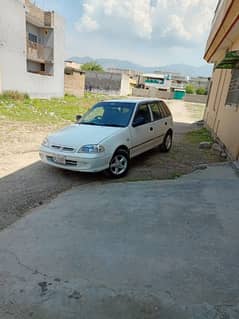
[26, 183]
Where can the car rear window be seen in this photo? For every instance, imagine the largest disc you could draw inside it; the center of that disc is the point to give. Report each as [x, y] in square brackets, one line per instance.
[164, 109]
[156, 111]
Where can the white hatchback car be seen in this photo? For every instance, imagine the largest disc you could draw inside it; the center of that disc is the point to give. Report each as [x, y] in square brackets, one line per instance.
[109, 135]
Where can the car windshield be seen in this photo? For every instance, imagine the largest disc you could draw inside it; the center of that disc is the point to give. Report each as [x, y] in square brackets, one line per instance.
[116, 114]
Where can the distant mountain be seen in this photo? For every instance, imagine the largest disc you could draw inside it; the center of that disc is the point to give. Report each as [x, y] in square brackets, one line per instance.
[185, 69]
[204, 70]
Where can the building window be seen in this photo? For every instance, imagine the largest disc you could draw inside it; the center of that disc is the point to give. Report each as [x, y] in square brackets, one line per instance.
[32, 37]
[43, 69]
[233, 92]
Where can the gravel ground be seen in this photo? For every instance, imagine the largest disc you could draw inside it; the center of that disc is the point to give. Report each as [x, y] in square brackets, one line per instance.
[26, 183]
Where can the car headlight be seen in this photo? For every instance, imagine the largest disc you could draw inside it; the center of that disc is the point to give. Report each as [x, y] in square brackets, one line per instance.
[46, 142]
[91, 148]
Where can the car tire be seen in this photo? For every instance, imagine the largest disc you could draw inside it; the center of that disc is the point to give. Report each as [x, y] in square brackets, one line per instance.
[167, 143]
[119, 164]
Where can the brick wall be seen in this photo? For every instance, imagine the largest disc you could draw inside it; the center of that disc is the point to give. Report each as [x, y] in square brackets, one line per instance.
[75, 84]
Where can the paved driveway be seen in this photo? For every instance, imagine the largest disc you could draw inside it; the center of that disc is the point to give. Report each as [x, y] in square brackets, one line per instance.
[155, 249]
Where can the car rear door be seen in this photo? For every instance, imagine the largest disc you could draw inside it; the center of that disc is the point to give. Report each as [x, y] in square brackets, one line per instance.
[167, 121]
[142, 135]
[158, 123]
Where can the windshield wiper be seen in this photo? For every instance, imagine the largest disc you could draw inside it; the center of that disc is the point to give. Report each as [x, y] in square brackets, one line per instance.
[112, 125]
[101, 124]
[88, 123]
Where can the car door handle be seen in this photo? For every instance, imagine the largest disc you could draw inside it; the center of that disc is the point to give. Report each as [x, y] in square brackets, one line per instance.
[151, 129]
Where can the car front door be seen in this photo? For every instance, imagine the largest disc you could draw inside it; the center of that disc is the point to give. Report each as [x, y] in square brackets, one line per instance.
[141, 131]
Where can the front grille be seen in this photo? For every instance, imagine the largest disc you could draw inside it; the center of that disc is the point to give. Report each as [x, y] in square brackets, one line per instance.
[68, 149]
[71, 163]
[63, 148]
[57, 147]
[67, 162]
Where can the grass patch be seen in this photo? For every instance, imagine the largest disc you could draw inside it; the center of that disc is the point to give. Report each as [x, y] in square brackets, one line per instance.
[198, 136]
[19, 107]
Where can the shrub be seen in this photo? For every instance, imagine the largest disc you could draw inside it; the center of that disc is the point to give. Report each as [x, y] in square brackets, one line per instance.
[201, 91]
[190, 89]
[92, 66]
[14, 95]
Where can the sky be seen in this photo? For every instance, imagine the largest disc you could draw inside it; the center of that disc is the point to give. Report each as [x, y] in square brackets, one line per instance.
[147, 32]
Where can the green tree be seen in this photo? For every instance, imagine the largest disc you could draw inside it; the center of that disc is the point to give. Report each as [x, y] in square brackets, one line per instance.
[92, 66]
[201, 91]
[190, 89]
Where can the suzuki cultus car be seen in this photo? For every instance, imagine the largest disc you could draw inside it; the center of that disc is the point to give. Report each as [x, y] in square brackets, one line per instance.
[109, 135]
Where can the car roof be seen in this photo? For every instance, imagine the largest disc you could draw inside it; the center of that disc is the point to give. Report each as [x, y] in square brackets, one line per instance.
[134, 100]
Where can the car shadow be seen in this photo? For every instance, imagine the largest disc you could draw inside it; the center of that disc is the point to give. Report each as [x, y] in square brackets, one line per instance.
[35, 184]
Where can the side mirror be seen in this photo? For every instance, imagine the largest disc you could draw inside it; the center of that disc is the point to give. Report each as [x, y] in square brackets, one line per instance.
[78, 117]
[138, 121]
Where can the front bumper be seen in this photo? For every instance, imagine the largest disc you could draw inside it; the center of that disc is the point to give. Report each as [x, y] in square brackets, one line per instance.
[81, 162]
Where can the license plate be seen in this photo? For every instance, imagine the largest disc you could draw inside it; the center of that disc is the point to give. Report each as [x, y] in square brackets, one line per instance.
[60, 160]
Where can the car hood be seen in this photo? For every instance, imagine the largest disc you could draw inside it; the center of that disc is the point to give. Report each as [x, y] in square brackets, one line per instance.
[80, 134]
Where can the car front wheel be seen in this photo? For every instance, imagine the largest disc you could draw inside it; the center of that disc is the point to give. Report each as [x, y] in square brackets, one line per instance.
[119, 164]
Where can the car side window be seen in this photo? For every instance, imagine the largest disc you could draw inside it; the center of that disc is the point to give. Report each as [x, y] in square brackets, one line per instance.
[143, 112]
[167, 110]
[155, 111]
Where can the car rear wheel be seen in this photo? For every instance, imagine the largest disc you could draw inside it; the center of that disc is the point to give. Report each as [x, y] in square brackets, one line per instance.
[167, 143]
[119, 164]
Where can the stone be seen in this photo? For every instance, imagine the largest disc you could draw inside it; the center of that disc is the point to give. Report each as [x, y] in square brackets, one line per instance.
[216, 147]
[223, 155]
[205, 145]
[201, 167]
[200, 123]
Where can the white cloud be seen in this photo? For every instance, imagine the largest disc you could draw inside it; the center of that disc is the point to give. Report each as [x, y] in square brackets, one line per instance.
[175, 26]
[87, 23]
[117, 16]
[168, 22]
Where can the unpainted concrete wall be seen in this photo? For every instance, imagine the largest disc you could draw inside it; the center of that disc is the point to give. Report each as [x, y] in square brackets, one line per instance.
[126, 89]
[104, 82]
[152, 92]
[108, 83]
[193, 98]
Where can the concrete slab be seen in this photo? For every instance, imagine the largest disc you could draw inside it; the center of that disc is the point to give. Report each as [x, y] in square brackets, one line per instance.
[127, 250]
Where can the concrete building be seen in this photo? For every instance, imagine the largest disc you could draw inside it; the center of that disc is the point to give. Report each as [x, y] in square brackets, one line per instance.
[157, 81]
[129, 72]
[222, 49]
[72, 64]
[31, 50]
[178, 80]
[108, 83]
